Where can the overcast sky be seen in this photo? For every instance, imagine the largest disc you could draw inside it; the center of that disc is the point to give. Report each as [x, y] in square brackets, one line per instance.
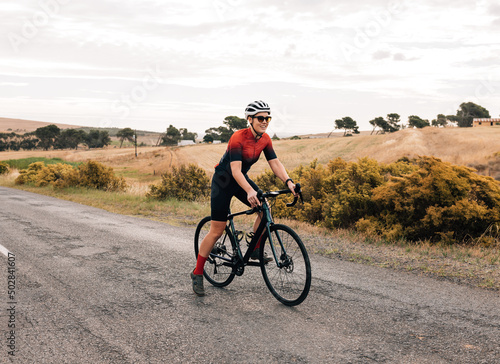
[146, 64]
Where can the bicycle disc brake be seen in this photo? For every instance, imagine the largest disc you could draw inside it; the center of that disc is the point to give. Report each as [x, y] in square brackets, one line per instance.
[287, 263]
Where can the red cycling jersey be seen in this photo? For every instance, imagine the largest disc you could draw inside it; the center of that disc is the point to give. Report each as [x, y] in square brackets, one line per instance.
[244, 147]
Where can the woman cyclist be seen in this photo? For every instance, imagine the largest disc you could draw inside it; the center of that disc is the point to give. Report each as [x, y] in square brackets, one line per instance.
[231, 179]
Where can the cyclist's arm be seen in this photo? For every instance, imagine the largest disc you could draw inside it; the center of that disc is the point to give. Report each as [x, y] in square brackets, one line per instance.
[280, 171]
[242, 181]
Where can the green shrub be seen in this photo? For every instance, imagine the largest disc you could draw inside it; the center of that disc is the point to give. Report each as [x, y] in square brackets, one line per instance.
[30, 174]
[91, 174]
[58, 175]
[96, 175]
[438, 201]
[421, 199]
[348, 189]
[337, 195]
[313, 178]
[184, 183]
[4, 168]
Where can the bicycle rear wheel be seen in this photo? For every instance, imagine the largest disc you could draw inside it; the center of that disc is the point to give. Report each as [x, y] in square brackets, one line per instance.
[218, 268]
[289, 280]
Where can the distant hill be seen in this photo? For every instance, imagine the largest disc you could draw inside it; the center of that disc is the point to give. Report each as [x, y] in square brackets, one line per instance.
[20, 126]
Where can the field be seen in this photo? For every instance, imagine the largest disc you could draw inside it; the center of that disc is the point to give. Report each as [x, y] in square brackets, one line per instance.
[462, 146]
[20, 126]
[478, 266]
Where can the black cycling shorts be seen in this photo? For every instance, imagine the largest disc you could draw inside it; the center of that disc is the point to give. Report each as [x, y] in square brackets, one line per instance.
[224, 187]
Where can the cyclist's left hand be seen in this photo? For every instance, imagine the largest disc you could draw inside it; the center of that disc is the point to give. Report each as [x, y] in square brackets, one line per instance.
[291, 187]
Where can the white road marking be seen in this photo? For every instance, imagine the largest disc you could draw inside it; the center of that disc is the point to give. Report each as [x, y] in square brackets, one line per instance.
[4, 250]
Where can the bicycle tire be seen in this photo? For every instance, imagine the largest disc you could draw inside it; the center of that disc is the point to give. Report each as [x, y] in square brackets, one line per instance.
[289, 284]
[217, 271]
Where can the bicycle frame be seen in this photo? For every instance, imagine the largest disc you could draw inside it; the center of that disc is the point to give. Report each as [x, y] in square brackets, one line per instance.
[288, 278]
[264, 227]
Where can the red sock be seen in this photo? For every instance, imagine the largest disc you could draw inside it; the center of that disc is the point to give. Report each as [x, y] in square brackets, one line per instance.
[200, 264]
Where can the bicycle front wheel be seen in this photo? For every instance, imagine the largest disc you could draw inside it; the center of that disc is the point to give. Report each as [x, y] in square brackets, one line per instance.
[218, 268]
[289, 280]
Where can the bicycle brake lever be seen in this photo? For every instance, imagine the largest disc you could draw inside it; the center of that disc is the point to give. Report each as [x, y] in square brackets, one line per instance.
[293, 202]
[298, 190]
[252, 211]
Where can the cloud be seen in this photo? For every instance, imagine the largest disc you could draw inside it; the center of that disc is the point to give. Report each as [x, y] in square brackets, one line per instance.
[227, 52]
[15, 84]
[381, 55]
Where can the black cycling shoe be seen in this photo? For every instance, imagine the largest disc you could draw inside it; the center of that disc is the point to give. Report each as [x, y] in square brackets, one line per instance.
[256, 254]
[198, 284]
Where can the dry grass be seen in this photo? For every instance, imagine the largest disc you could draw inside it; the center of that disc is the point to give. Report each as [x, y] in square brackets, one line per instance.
[20, 126]
[462, 146]
[478, 266]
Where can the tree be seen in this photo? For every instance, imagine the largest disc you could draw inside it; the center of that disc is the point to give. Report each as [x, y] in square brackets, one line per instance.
[348, 124]
[70, 138]
[234, 123]
[415, 121]
[172, 136]
[208, 138]
[441, 120]
[378, 122]
[29, 143]
[14, 145]
[224, 133]
[47, 135]
[386, 126]
[186, 135]
[393, 121]
[97, 139]
[126, 133]
[467, 112]
[221, 133]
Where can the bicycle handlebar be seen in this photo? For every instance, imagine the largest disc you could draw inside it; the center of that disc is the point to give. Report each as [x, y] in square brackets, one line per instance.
[261, 195]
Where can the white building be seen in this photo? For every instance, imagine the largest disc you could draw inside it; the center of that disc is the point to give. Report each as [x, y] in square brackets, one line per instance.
[485, 121]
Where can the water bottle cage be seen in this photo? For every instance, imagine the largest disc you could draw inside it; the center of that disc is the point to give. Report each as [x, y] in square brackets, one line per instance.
[249, 237]
[239, 235]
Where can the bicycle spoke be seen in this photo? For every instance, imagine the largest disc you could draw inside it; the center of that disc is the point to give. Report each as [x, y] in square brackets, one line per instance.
[218, 270]
[289, 281]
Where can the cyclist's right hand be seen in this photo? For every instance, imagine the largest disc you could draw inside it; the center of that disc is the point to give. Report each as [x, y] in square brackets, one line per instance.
[253, 199]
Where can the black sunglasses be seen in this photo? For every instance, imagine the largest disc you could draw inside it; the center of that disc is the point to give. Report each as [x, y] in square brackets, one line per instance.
[262, 118]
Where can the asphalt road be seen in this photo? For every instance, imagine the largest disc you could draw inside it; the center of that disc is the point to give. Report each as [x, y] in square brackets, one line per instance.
[96, 287]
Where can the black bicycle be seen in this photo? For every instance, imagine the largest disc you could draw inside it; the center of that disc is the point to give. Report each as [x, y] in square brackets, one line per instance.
[287, 275]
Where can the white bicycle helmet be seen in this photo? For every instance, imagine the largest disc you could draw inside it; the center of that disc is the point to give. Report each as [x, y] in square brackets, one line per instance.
[256, 107]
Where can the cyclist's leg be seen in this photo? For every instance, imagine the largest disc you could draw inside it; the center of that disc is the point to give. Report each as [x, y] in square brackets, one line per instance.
[241, 195]
[220, 199]
[256, 224]
[216, 231]
[206, 245]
